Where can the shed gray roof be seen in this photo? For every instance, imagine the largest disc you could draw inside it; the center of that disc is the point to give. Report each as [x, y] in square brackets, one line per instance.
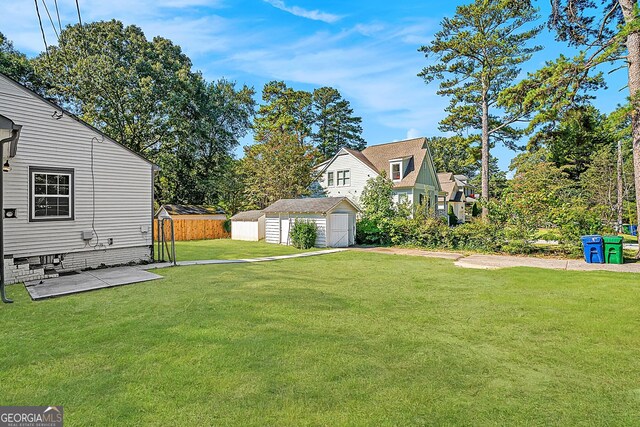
[247, 216]
[310, 205]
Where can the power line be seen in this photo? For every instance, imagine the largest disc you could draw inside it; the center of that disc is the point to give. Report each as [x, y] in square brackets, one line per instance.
[79, 17]
[55, 2]
[44, 37]
[44, 3]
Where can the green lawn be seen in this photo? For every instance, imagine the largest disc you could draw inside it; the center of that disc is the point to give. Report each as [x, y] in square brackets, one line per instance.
[350, 338]
[230, 249]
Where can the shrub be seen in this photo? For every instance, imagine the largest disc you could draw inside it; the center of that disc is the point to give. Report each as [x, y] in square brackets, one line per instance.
[453, 219]
[303, 234]
[475, 210]
[478, 236]
[576, 221]
[368, 232]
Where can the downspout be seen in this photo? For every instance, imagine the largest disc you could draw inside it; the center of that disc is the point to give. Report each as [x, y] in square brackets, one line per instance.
[3, 294]
[153, 214]
[2, 290]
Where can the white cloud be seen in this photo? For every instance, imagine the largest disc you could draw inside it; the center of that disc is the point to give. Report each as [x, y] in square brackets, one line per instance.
[379, 79]
[413, 133]
[315, 15]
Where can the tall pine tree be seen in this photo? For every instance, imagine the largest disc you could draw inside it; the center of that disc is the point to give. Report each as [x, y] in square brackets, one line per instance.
[336, 125]
[477, 54]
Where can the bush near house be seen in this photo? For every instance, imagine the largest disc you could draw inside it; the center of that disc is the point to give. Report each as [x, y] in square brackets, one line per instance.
[514, 220]
[303, 234]
[453, 219]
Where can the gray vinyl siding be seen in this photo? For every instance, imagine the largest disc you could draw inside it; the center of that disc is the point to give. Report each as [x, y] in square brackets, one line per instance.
[123, 182]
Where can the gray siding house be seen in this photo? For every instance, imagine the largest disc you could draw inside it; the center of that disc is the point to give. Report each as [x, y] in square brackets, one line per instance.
[73, 197]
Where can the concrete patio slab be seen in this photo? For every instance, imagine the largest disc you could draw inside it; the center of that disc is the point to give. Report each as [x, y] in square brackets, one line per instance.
[87, 281]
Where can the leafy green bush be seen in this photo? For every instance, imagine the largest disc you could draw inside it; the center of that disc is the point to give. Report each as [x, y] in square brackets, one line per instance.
[368, 232]
[453, 219]
[475, 210]
[303, 234]
[479, 236]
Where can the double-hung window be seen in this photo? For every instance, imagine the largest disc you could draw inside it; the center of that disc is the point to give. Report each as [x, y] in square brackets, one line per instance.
[330, 182]
[344, 178]
[51, 194]
[396, 174]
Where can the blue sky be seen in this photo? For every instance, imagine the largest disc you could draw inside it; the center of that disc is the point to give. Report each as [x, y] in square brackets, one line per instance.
[367, 49]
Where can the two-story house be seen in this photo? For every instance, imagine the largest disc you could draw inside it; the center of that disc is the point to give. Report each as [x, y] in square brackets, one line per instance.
[407, 163]
[459, 195]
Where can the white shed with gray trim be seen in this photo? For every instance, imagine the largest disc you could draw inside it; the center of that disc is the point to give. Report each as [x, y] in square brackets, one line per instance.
[248, 225]
[335, 218]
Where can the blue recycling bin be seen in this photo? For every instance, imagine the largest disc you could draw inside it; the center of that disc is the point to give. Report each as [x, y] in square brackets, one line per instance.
[593, 249]
[633, 230]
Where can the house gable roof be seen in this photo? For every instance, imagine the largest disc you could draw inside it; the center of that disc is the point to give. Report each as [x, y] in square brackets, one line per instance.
[77, 119]
[449, 184]
[354, 153]
[309, 205]
[377, 158]
[416, 149]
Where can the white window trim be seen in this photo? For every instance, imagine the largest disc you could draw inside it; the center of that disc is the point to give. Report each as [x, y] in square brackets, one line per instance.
[32, 193]
[333, 175]
[343, 179]
[391, 165]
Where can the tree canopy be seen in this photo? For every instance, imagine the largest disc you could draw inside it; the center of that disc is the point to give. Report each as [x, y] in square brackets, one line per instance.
[144, 94]
[477, 55]
[336, 125]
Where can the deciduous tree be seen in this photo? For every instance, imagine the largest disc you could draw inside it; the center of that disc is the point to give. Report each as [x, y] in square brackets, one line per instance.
[607, 32]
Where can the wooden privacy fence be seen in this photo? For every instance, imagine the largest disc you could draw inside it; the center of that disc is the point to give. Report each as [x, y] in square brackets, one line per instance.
[194, 229]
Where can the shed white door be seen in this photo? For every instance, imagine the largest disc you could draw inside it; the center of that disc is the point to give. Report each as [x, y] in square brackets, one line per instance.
[284, 231]
[339, 232]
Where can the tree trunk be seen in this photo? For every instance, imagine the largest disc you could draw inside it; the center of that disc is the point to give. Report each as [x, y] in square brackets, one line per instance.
[619, 205]
[633, 59]
[485, 158]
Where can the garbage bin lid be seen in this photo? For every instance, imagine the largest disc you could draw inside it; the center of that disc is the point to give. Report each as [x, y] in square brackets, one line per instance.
[594, 238]
[612, 239]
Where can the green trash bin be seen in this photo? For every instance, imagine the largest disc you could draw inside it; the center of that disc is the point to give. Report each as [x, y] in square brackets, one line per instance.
[613, 253]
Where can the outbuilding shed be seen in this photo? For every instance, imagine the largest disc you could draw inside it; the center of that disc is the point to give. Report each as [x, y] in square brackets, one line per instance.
[248, 225]
[335, 218]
